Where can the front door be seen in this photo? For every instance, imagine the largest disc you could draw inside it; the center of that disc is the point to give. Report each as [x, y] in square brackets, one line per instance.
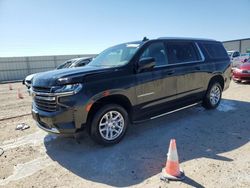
[155, 87]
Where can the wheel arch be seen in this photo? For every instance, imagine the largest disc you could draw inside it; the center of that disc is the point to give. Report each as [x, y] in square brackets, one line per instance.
[219, 78]
[111, 99]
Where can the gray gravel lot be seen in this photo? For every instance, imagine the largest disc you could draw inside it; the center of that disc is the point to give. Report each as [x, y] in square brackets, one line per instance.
[213, 147]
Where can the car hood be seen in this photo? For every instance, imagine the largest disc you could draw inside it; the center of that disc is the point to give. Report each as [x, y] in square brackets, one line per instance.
[66, 76]
[245, 66]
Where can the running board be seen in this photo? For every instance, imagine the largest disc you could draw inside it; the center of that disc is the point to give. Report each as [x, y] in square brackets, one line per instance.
[173, 111]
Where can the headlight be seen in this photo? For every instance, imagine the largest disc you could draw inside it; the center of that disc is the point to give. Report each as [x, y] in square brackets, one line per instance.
[74, 88]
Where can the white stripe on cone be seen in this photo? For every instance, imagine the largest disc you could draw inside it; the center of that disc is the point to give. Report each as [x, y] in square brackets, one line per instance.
[172, 154]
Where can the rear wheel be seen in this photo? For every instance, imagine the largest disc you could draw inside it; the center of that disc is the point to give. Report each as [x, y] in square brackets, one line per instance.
[213, 96]
[109, 124]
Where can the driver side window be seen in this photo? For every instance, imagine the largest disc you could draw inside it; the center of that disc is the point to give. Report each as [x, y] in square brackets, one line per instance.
[157, 51]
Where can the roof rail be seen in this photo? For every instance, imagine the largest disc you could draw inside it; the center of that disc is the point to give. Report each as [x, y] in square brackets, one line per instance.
[185, 38]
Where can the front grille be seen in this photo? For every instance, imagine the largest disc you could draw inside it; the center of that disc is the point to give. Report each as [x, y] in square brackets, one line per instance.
[244, 71]
[45, 103]
[41, 89]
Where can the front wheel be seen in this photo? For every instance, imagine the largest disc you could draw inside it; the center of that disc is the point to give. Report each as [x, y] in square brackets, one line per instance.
[109, 124]
[213, 96]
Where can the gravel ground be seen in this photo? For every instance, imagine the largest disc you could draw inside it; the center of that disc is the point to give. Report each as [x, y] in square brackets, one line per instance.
[213, 148]
[10, 105]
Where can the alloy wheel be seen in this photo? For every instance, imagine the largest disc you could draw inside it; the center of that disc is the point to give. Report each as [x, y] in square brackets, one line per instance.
[111, 125]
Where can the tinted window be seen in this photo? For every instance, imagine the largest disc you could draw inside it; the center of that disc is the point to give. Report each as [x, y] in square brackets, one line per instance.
[180, 52]
[236, 54]
[215, 50]
[157, 51]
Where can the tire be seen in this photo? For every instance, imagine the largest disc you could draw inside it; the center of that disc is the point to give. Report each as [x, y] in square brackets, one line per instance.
[213, 96]
[105, 128]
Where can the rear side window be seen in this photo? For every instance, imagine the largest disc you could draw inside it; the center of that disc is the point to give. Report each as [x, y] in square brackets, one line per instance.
[215, 50]
[181, 52]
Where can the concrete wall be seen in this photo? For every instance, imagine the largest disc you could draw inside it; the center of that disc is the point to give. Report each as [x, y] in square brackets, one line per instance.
[234, 45]
[17, 68]
[241, 45]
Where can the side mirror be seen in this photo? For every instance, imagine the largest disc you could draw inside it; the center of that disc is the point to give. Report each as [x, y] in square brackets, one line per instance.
[147, 63]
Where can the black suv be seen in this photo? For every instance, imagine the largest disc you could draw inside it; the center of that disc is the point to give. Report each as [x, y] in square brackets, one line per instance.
[129, 83]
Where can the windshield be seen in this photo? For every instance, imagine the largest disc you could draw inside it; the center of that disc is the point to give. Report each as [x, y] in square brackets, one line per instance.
[65, 65]
[115, 56]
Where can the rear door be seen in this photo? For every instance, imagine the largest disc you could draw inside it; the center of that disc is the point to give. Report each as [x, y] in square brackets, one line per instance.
[189, 65]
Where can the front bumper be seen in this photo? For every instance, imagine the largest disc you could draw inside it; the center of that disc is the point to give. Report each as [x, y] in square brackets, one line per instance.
[58, 123]
[50, 130]
[61, 119]
[241, 76]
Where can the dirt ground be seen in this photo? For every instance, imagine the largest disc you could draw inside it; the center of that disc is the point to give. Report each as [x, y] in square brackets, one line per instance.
[213, 148]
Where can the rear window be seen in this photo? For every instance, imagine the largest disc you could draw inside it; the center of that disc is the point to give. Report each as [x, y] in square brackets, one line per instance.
[215, 50]
[181, 52]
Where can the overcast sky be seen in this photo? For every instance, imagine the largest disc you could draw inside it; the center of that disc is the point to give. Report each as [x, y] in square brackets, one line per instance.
[54, 27]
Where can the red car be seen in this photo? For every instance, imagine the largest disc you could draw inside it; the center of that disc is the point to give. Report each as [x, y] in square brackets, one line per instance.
[242, 73]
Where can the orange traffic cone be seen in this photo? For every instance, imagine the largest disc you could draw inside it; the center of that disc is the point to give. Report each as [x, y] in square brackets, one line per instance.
[172, 170]
[19, 94]
[10, 87]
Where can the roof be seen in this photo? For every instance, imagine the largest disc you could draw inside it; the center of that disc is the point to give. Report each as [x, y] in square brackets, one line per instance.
[185, 38]
[171, 38]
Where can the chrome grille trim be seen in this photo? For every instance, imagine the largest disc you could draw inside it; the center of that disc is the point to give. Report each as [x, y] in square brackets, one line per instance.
[45, 104]
[45, 101]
